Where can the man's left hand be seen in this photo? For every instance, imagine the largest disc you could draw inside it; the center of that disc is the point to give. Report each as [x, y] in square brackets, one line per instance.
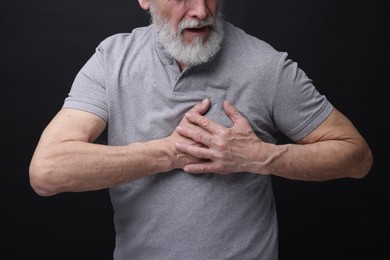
[227, 150]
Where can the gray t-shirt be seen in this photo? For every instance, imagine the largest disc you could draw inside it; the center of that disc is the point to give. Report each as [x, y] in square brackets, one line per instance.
[139, 90]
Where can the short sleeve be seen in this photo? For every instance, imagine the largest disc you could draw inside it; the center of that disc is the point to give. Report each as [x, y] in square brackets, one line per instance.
[88, 91]
[298, 107]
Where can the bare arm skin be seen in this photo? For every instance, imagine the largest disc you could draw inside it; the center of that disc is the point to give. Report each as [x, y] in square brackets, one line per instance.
[335, 149]
[67, 160]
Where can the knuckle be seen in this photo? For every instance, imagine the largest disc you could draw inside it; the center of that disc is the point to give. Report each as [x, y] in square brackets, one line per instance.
[199, 153]
[224, 133]
[204, 122]
[198, 137]
[181, 161]
[222, 146]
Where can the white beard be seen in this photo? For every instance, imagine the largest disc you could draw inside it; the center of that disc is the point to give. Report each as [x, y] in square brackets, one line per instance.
[196, 52]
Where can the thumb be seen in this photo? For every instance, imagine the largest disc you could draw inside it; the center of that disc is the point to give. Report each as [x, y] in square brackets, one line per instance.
[232, 112]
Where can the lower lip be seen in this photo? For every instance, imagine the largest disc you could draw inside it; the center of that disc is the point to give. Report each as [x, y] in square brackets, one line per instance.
[197, 31]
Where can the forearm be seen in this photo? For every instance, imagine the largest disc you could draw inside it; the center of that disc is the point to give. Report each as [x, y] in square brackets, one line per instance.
[334, 149]
[320, 161]
[74, 166]
[67, 160]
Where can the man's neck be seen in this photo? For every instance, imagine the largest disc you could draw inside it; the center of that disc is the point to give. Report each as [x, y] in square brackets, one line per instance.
[182, 66]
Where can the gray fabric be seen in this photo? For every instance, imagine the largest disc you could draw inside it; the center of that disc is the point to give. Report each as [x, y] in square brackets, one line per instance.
[131, 83]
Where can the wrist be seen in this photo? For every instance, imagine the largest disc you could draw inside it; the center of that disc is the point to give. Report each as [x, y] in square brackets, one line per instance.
[264, 156]
[158, 156]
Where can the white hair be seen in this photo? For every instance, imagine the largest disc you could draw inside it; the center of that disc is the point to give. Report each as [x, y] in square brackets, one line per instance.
[198, 51]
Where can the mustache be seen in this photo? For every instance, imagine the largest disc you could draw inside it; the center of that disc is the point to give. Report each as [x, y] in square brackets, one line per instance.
[195, 23]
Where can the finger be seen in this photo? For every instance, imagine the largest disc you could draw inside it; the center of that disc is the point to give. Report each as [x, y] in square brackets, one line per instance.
[194, 133]
[204, 167]
[196, 151]
[198, 168]
[204, 122]
[201, 107]
[233, 113]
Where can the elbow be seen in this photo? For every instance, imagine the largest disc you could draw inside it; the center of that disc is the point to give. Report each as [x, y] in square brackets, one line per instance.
[40, 177]
[365, 162]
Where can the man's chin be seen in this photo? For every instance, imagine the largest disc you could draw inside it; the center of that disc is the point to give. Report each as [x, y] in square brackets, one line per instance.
[194, 37]
[195, 41]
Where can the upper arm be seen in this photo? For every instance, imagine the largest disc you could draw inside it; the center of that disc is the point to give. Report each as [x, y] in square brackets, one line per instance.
[335, 127]
[73, 125]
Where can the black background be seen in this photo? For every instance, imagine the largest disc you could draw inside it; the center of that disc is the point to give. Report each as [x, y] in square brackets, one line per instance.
[341, 45]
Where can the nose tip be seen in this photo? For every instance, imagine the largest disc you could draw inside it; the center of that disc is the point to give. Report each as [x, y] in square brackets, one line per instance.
[198, 9]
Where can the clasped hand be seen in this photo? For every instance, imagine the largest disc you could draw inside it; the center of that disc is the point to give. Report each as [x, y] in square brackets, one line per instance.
[223, 150]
